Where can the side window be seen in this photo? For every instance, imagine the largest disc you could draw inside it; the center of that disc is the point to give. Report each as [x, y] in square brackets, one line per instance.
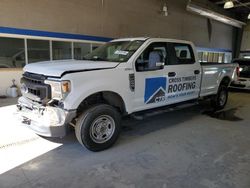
[150, 58]
[181, 54]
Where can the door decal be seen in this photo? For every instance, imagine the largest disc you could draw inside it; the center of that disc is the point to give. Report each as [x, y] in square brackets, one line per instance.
[160, 89]
[155, 90]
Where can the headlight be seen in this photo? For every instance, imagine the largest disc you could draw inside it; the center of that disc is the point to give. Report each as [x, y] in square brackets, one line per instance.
[59, 89]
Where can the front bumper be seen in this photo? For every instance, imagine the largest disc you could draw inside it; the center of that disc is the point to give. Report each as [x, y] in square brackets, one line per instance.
[46, 121]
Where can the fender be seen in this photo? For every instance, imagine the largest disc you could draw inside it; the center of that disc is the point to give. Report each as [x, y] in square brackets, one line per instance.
[108, 80]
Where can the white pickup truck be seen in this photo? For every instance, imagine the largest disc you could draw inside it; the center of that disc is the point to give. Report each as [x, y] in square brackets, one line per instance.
[122, 77]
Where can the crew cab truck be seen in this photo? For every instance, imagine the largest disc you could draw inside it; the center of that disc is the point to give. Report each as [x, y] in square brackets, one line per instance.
[122, 77]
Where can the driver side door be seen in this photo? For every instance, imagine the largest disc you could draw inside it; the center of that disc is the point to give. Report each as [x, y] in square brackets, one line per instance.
[150, 77]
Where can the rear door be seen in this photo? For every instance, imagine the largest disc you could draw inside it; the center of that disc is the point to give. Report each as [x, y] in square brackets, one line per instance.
[183, 72]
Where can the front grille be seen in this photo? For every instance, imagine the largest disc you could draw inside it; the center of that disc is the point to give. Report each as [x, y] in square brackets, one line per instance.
[34, 88]
[34, 78]
[34, 92]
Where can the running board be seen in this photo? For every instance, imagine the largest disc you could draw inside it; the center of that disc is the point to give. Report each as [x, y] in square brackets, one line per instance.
[157, 111]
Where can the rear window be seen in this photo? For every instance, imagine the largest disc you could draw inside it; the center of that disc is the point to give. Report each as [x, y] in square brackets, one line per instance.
[181, 54]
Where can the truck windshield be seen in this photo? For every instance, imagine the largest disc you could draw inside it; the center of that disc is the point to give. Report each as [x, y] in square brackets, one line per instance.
[119, 51]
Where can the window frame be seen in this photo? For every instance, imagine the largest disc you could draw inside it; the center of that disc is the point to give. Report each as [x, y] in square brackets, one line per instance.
[50, 39]
[23, 49]
[29, 50]
[146, 48]
[74, 44]
[173, 56]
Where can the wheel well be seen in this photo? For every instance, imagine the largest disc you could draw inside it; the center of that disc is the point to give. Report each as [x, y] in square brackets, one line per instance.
[225, 81]
[104, 97]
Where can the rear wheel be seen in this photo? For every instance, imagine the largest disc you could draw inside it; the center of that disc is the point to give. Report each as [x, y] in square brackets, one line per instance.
[98, 127]
[220, 100]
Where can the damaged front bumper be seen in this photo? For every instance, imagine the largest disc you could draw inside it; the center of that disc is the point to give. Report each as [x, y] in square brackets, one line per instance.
[46, 121]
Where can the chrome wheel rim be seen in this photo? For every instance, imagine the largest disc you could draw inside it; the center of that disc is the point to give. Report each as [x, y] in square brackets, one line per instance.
[102, 129]
[223, 98]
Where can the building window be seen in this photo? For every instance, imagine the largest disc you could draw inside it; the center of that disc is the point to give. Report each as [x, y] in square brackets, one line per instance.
[210, 57]
[214, 57]
[38, 50]
[81, 49]
[94, 46]
[228, 57]
[61, 50]
[221, 58]
[200, 56]
[12, 53]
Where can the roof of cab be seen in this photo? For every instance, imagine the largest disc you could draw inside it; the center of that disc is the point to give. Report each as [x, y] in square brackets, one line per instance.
[151, 39]
[131, 39]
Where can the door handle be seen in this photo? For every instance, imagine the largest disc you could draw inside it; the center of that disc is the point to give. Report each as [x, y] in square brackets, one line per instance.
[171, 74]
[197, 72]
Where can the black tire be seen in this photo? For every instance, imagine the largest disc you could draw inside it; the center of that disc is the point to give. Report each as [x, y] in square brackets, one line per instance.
[88, 129]
[220, 100]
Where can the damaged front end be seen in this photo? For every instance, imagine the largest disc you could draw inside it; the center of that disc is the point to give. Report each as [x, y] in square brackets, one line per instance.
[38, 110]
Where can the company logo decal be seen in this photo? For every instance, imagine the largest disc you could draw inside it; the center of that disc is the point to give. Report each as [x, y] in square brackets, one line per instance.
[155, 90]
[161, 89]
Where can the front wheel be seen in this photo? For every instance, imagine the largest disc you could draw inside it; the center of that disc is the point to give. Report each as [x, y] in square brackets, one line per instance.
[98, 127]
[220, 100]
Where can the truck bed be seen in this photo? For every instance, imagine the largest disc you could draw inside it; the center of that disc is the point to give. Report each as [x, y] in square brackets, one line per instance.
[213, 73]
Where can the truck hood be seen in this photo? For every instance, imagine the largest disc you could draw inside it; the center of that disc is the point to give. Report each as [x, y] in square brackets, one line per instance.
[58, 67]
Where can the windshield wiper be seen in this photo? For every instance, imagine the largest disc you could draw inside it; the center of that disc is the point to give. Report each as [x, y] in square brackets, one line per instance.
[96, 58]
